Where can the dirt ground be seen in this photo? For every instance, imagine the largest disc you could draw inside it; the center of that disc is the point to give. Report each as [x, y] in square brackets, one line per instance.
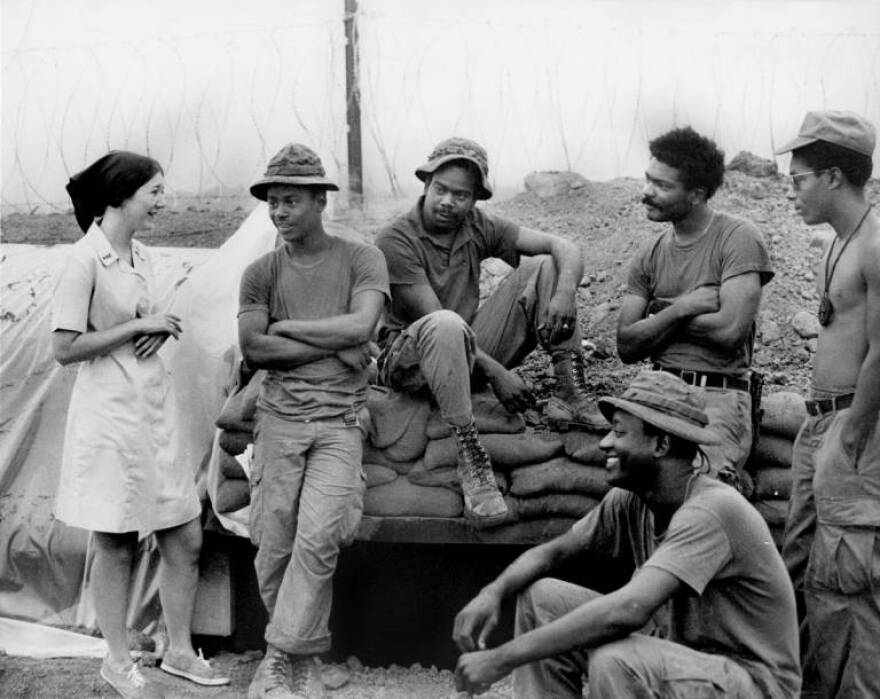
[608, 221]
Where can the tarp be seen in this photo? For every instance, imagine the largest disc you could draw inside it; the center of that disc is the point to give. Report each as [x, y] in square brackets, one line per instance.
[43, 562]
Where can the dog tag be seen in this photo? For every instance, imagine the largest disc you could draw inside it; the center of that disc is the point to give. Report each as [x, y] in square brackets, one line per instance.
[826, 311]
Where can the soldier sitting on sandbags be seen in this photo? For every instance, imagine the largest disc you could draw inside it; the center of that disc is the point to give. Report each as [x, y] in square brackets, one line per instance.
[433, 335]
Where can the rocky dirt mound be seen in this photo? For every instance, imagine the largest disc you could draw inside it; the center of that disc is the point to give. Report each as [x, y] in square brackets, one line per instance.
[609, 223]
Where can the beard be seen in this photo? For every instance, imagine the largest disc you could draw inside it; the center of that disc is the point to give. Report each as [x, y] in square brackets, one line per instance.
[672, 213]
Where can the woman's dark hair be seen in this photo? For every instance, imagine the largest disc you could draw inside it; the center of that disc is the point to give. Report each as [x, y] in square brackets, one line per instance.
[821, 155]
[698, 159]
[109, 181]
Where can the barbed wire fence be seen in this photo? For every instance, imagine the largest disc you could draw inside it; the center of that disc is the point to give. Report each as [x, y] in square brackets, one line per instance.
[549, 94]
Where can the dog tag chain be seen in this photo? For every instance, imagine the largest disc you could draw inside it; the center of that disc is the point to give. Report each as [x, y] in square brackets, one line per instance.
[826, 308]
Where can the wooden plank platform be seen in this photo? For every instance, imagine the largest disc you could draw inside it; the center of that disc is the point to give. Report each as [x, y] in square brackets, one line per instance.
[445, 530]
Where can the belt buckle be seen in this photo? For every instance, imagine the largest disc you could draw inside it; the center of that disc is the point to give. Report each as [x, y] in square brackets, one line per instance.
[689, 376]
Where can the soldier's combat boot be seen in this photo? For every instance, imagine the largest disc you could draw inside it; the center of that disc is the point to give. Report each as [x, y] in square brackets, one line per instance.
[570, 405]
[483, 504]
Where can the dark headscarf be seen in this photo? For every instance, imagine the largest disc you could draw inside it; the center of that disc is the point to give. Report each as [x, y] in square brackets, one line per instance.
[108, 181]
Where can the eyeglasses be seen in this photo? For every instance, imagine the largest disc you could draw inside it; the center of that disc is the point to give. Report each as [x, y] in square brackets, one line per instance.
[794, 178]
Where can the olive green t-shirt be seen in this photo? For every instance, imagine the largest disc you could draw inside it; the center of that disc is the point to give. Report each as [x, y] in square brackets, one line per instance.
[449, 264]
[287, 290]
[665, 269]
[738, 600]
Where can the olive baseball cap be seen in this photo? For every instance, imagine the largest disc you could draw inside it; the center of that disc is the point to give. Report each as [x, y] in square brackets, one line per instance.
[294, 164]
[665, 401]
[845, 129]
[457, 148]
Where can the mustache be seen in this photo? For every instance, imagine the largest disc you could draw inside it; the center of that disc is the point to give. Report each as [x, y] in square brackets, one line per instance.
[648, 201]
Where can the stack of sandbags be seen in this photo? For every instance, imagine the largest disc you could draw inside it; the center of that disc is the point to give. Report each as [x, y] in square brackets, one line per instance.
[543, 474]
[770, 465]
[410, 459]
[236, 423]
[569, 484]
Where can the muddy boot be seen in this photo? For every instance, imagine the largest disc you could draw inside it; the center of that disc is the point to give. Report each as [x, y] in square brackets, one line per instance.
[483, 504]
[570, 405]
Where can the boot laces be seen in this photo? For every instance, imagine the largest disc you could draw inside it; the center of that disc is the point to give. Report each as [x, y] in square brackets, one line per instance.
[577, 375]
[300, 676]
[276, 668]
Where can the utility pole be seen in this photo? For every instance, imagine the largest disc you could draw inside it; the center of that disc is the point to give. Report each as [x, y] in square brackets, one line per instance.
[353, 106]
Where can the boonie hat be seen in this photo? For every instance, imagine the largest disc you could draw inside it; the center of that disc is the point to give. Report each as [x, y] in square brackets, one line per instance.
[845, 129]
[294, 164]
[457, 148]
[665, 401]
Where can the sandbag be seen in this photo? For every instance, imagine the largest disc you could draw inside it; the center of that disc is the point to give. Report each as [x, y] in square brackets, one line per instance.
[447, 478]
[773, 484]
[505, 450]
[550, 505]
[241, 406]
[783, 414]
[772, 452]
[395, 417]
[235, 441]
[489, 415]
[583, 447]
[230, 468]
[373, 455]
[232, 495]
[378, 475]
[400, 498]
[559, 475]
[774, 512]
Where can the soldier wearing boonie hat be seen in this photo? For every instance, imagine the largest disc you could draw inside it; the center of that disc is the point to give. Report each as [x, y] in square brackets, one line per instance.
[433, 334]
[836, 457]
[693, 541]
[307, 312]
[297, 165]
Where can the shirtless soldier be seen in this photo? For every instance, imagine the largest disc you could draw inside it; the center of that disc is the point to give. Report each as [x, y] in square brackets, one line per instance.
[832, 536]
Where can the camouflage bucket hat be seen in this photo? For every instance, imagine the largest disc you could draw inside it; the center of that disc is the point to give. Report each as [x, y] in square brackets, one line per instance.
[667, 402]
[456, 148]
[294, 164]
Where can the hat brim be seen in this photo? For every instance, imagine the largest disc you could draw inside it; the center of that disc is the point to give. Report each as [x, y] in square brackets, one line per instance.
[259, 188]
[484, 191]
[668, 423]
[799, 142]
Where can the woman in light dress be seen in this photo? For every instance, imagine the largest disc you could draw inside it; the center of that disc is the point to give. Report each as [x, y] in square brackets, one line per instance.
[119, 477]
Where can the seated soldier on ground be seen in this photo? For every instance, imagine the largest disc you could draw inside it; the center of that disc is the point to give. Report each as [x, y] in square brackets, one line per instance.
[694, 542]
[433, 335]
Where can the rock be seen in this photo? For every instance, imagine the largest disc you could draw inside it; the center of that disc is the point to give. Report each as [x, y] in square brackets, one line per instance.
[805, 324]
[769, 330]
[334, 676]
[776, 239]
[752, 165]
[354, 664]
[812, 344]
[553, 183]
[602, 311]
[821, 238]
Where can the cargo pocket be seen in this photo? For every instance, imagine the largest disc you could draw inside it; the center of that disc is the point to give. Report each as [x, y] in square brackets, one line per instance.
[255, 479]
[685, 681]
[844, 560]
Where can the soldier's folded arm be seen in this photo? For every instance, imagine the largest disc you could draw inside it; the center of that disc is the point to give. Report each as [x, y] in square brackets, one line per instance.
[336, 332]
[729, 326]
[264, 351]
